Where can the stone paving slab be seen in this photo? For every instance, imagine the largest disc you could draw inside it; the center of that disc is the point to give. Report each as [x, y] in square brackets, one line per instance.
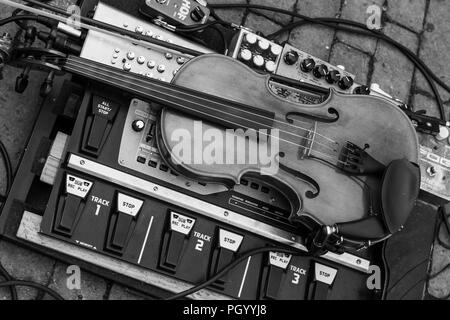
[392, 70]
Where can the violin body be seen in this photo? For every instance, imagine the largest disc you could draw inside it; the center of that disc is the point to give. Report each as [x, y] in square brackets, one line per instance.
[312, 140]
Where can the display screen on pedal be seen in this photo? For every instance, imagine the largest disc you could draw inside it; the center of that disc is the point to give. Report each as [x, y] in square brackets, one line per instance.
[176, 12]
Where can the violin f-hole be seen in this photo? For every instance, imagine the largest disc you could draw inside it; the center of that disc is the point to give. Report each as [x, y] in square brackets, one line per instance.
[331, 111]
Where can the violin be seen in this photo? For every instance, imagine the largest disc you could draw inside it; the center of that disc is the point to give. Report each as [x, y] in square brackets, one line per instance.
[349, 158]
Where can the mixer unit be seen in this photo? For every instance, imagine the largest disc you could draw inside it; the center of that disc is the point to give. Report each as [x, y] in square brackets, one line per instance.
[156, 62]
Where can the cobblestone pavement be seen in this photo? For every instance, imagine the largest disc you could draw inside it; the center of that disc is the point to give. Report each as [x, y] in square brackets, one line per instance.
[421, 25]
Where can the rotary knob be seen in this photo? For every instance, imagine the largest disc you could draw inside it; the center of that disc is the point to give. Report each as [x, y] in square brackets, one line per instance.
[291, 57]
[138, 125]
[345, 83]
[362, 90]
[320, 71]
[307, 65]
[333, 76]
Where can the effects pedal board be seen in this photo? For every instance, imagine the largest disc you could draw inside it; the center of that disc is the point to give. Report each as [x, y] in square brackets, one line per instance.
[434, 161]
[119, 200]
[291, 63]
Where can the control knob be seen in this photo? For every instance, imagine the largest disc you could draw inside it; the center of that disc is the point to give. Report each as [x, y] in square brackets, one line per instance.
[307, 65]
[291, 57]
[345, 83]
[333, 76]
[138, 125]
[362, 90]
[320, 71]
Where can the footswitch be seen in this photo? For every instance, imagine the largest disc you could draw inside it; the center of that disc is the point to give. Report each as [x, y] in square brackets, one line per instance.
[121, 225]
[71, 204]
[99, 124]
[274, 274]
[324, 277]
[225, 253]
[175, 238]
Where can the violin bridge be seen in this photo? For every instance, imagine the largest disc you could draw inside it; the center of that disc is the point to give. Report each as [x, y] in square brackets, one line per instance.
[307, 142]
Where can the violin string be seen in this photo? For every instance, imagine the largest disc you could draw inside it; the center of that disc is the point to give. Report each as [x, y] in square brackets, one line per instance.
[122, 74]
[314, 141]
[280, 139]
[74, 64]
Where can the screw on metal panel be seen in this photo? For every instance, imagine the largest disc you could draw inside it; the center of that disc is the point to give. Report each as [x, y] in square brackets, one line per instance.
[358, 261]
[155, 188]
[226, 213]
[82, 162]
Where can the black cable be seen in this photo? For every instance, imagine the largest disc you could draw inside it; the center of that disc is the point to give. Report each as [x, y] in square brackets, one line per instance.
[199, 27]
[18, 18]
[427, 73]
[222, 36]
[9, 170]
[332, 23]
[8, 277]
[322, 21]
[230, 266]
[118, 30]
[24, 283]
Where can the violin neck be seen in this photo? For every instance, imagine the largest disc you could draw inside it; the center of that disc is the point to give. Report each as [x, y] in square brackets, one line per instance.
[226, 113]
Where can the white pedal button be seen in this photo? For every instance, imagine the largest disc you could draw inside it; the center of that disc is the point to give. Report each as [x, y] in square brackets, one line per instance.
[149, 33]
[263, 45]
[181, 60]
[229, 240]
[131, 55]
[276, 50]
[168, 56]
[270, 66]
[324, 274]
[128, 205]
[443, 133]
[181, 223]
[280, 260]
[141, 59]
[245, 55]
[161, 68]
[250, 38]
[151, 64]
[77, 186]
[258, 61]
